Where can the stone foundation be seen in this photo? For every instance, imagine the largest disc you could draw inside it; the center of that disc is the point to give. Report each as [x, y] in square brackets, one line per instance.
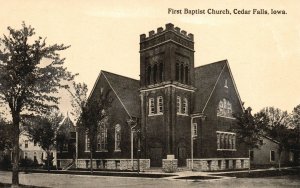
[63, 163]
[115, 164]
[169, 165]
[215, 164]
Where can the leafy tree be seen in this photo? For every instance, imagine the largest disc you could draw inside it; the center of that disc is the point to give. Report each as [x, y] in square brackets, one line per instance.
[280, 128]
[296, 124]
[43, 130]
[5, 132]
[78, 93]
[92, 113]
[249, 128]
[30, 74]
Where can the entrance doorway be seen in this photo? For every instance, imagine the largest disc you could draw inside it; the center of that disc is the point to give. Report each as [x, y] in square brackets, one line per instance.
[181, 153]
[155, 157]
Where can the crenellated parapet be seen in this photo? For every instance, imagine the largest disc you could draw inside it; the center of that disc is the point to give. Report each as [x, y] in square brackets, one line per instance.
[170, 33]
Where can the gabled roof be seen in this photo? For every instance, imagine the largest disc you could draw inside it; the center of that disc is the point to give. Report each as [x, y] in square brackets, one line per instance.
[206, 79]
[126, 90]
[68, 124]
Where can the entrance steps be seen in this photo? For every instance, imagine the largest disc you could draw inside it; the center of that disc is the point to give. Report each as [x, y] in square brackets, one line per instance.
[182, 169]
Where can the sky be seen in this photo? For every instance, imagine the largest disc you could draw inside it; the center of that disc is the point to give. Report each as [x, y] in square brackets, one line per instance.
[263, 50]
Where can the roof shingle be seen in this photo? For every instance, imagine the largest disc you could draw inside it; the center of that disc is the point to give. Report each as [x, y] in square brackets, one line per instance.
[206, 77]
[127, 90]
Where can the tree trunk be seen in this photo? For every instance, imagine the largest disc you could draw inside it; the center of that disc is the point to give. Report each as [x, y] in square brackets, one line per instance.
[48, 160]
[91, 160]
[249, 169]
[15, 142]
[279, 161]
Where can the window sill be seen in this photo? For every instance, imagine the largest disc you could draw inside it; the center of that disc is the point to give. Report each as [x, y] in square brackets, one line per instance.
[226, 149]
[180, 114]
[98, 151]
[117, 151]
[86, 151]
[158, 114]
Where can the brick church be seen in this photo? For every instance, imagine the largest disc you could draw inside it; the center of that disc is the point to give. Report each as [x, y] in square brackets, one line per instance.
[175, 111]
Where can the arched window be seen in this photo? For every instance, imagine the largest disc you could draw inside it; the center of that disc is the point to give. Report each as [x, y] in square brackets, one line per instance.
[185, 106]
[117, 137]
[160, 105]
[177, 72]
[181, 73]
[224, 108]
[151, 106]
[161, 72]
[102, 138]
[186, 74]
[148, 77]
[154, 73]
[87, 141]
[178, 104]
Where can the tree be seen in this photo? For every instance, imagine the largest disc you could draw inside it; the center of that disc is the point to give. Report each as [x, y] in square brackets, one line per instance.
[5, 138]
[43, 130]
[280, 128]
[91, 113]
[249, 128]
[30, 74]
[296, 124]
[78, 93]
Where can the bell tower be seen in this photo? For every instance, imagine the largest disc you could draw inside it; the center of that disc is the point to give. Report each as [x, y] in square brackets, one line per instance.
[166, 80]
[167, 56]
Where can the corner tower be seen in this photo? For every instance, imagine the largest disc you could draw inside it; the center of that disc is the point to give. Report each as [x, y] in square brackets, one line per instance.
[167, 80]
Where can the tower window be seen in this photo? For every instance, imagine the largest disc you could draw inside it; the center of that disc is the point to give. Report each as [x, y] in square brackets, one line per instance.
[182, 73]
[160, 105]
[161, 72]
[178, 105]
[148, 77]
[151, 106]
[185, 106]
[177, 72]
[186, 75]
[154, 73]
[26, 143]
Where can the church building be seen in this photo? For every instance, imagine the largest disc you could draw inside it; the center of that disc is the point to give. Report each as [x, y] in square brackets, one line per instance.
[176, 111]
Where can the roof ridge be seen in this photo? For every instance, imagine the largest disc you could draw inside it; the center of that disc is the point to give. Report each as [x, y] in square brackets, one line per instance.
[119, 75]
[213, 89]
[221, 61]
[116, 94]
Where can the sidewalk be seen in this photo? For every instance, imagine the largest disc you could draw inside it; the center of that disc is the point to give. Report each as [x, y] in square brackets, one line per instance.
[158, 173]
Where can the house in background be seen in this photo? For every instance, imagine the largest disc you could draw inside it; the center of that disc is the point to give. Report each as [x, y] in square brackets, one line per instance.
[66, 150]
[268, 156]
[31, 150]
